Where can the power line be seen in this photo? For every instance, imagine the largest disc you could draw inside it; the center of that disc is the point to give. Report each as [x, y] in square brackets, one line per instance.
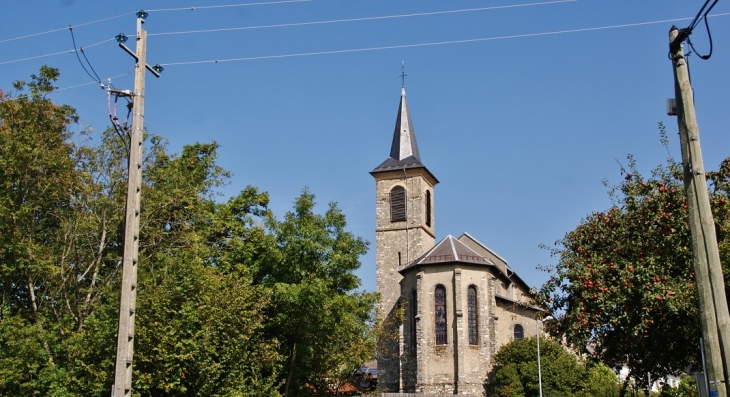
[90, 66]
[96, 79]
[228, 5]
[94, 82]
[362, 19]
[699, 15]
[276, 25]
[157, 10]
[60, 29]
[434, 43]
[55, 53]
[707, 27]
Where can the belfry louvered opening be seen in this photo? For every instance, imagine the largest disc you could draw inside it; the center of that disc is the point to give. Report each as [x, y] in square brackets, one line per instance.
[398, 204]
[428, 208]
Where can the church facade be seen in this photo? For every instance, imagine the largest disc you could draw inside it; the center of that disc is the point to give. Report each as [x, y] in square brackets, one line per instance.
[448, 306]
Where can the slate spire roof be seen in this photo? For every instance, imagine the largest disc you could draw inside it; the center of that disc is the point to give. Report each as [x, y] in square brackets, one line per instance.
[404, 149]
[404, 139]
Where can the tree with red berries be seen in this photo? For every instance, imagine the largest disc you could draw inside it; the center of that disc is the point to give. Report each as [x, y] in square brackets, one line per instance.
[623, 288]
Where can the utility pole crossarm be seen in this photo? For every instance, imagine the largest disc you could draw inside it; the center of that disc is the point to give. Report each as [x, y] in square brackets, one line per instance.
[152, 69]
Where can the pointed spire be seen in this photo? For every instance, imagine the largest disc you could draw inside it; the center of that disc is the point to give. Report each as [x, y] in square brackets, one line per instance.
[404, 149]
[404, 139]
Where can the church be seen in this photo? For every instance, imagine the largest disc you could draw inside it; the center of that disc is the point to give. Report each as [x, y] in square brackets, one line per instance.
[449, 305]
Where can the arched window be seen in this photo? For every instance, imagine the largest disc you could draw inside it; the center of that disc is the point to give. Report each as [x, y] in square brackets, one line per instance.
[398, 204]
[414, 313]
[519, 332]
[428, 208]
[471, 296]
[440, 314]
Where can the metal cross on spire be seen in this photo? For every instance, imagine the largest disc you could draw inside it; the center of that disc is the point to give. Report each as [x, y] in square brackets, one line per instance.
[403, 73]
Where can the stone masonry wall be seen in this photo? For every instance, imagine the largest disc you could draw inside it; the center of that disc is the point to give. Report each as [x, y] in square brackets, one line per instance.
[397, 243]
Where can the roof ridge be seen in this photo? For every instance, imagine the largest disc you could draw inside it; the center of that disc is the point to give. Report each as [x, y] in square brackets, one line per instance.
[475, 253]
[453, 248]
[485, 247]
[422, 257]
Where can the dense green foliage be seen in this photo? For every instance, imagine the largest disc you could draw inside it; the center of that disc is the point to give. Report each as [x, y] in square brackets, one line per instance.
[686, 388]
[515, 373]
[624, 284]
[231, 301]
[313, 316]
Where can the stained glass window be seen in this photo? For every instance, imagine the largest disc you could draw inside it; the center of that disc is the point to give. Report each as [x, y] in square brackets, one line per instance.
[471, 296]
[519, 332]
[440, 315]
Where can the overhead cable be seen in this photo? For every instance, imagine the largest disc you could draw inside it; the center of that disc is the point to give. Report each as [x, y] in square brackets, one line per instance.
[157, 10]
[96, 79]
[60, 29]
[228, 5]
[433, 43]
[55, 53]
[694, 23]
[288, 24]
[700, 16]
[281, 25]
[85, 84]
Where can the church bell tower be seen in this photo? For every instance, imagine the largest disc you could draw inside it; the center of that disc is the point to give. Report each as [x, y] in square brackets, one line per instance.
[404, 229]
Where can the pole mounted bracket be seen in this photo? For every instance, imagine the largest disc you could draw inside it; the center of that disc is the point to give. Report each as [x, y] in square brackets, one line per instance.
[681, 37]
[121, 93]
[152, 69]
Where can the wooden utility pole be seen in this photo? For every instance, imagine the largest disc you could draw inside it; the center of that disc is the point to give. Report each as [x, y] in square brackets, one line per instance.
[128, 302]
[714, 317]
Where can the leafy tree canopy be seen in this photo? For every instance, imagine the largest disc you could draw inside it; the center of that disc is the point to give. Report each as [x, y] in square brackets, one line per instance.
[231, 301]
[323, 324]
[516, 372]
[624, 286]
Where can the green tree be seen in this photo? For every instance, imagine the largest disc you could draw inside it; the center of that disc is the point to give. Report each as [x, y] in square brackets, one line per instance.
[324, 325]
[624, 282]
[201, 319]
[231, 301]
[515, 372]
[60, 258]
[37, 180]
[507, 382]
[199, 327]
[686, 388]
[601, 382]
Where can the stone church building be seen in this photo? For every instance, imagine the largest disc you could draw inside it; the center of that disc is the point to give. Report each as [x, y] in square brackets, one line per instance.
[450, 304]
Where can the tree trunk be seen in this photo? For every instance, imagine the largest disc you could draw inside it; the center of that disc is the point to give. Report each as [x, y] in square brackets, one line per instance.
[291, 370]
[625, 386]
[84, 312]
[38, 321]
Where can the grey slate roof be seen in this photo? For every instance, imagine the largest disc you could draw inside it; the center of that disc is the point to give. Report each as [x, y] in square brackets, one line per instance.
[404, 139]
[404, 148]
[503, 267]
[449, 250]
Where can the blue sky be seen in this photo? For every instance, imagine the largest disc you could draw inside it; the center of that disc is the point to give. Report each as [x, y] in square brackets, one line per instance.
[520, 125]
